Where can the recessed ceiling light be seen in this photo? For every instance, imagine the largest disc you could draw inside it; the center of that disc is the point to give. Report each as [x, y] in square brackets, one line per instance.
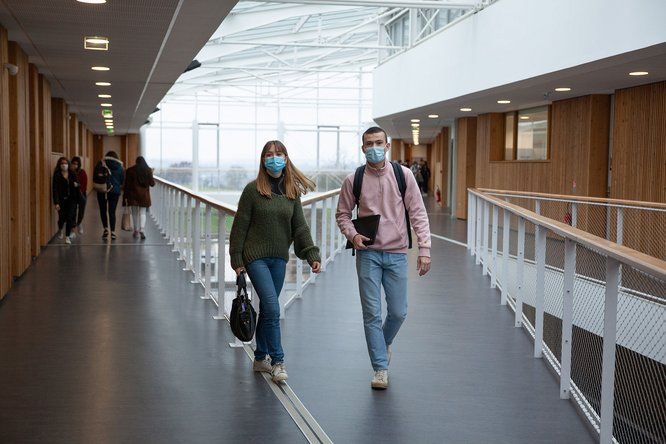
[465, 110]
[106, 104]
[93, 2]
[563, 89]
[503, 101]
[96, 43]
[433, 116]
[639, 73]
[524, 117]
[416, 120]
[104, 96]
[415, 125]
[100, 68]
[102, 83]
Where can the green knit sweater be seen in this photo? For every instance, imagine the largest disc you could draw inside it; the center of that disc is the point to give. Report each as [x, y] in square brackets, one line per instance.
[266, 227]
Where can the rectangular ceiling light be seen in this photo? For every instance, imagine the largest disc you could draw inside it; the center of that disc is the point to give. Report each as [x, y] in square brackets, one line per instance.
[107, 113]
[96, 43]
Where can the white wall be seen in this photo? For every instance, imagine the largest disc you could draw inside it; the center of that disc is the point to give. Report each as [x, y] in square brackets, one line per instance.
[514, 40]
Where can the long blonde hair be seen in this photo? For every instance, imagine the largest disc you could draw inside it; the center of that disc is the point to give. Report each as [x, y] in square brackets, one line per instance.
[295, 182]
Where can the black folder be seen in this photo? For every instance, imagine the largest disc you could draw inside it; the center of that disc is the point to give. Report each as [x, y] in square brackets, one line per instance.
[367, 226]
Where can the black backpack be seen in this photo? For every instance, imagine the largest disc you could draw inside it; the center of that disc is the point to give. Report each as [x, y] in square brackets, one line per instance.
[402, 186]
[101, 175]
[243, 317]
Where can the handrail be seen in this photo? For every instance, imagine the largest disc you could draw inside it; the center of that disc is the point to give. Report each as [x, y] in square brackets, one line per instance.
[231, 209]
[572, 198]
[636, 259]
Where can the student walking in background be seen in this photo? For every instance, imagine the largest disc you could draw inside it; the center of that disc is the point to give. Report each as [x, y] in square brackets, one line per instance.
[65, 189]
[109, 176]
[138, 180]
[82, 196]
[269, 218]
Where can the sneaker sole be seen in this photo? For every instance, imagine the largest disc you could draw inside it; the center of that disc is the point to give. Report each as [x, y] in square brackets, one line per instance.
[278, 379]
[376, 386]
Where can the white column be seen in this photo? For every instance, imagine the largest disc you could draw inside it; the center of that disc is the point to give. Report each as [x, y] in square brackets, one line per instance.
[221, 240]
[208, 249]
[484, 247]
[609, 344]
[540, 258]
[506, 232]
[520, 277]
[567, 316]
[313, 234]
[332, 227]
[477, 240]
[196, 242]
[493, 277]
[324, 226]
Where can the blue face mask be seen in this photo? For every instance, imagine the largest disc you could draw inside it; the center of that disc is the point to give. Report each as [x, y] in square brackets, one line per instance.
[375, 155]
[275, 164]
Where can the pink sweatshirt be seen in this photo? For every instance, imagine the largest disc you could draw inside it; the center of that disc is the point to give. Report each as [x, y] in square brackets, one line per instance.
[380, 195]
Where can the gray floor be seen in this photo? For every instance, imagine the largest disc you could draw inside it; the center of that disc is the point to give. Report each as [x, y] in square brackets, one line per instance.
[112, 344]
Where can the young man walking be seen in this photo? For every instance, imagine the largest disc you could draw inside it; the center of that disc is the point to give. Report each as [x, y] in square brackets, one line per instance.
[384, 263]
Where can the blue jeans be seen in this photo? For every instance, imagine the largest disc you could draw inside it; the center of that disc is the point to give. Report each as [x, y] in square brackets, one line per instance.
[376, 269]
[267, 276]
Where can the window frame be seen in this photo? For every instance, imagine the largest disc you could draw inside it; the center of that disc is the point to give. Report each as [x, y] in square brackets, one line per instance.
[514, 151]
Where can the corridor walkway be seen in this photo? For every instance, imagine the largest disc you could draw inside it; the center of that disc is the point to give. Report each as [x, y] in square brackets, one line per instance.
[113, 344]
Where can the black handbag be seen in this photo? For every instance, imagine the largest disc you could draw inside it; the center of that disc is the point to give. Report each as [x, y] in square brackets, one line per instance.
[243, 318]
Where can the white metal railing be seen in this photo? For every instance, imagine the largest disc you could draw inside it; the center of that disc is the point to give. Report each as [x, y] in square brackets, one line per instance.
[197, 226]
[596, 311]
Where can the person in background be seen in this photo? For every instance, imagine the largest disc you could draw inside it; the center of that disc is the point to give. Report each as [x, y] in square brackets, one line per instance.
[75, 167]
[425, 172]
[416, 170]
[269, 218]
[112, 167]
[138, 180]
[64, 188]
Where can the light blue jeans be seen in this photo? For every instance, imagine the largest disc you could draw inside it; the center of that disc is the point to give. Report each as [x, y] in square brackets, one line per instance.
[267, 275]
[376, 269]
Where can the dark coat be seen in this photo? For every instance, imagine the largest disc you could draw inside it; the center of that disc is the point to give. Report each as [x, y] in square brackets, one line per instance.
[64, 189]
[137, 194]
[117, 176]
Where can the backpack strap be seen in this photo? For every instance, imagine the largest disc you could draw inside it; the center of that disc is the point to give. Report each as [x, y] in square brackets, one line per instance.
[402, 186]
[358, 184]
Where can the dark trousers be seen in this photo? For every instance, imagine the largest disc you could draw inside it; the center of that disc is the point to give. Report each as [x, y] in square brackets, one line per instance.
[80, 210]
[111, 200]
[67, 215]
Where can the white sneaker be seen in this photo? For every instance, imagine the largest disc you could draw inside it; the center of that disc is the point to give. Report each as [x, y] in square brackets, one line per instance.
[80, 230]
[279, 373]
[380, 380]
[72, 235]
[389, 352]
[60, 234]
[68, 240]
[262, 366]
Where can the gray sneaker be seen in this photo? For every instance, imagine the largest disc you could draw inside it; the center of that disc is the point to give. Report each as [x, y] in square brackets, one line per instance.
[380, 380]
[279, 372]
[262, 366]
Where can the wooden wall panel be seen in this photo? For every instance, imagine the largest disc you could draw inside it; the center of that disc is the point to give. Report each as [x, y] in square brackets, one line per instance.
[19, 162]
[49, 227]
[639, 161]
[132, 143]
[37, 160]
[466, 154]
[73, 147]
[59, 126]
[5, 261]
[89, 163]
[439, 165]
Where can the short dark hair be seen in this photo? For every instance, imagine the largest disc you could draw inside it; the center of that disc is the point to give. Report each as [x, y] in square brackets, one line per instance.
[373, 130]
[76, 159]
[112, 154]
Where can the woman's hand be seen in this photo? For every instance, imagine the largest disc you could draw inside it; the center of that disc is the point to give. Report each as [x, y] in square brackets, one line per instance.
[240, 270]
[57, 207]
[316, 267]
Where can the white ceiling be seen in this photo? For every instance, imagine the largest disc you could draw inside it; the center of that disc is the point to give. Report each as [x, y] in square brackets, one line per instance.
[599, 77]
[151, 43]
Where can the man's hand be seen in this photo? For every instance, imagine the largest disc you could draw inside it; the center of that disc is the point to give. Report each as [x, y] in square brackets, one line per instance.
[239, 270]
[423, 265]
[316, 267]
[358, 242]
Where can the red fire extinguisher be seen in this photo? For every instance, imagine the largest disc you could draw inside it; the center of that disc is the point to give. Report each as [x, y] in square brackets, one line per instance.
[438, 195]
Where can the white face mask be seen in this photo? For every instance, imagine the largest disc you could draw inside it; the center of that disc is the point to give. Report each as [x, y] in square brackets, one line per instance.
[64, 167]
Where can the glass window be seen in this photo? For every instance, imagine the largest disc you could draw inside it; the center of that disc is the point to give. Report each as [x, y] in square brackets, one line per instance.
[533, 134]
[509, 125]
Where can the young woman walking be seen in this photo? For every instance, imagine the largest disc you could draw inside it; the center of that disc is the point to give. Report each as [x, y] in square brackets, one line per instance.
[110, 169]
[64, 189]
[80, 209]
[138, 180]
[269, 217]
